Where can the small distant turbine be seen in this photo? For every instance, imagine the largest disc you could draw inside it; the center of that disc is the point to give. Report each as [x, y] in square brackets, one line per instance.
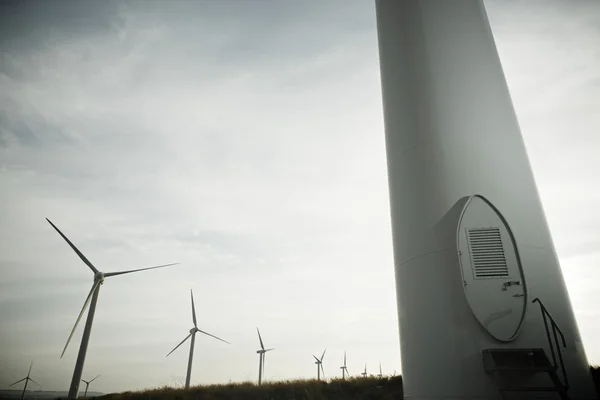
[319, 363]
[93, 296]
[261, 362]
[87, 384]
[192, 334]
[380, 374]
[344, 368]
[364, 374]
[26, 379]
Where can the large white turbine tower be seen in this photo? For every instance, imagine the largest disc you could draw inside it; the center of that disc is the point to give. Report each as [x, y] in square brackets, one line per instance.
[192, 334]
[91, 300]
[261, 355]
[483, 308]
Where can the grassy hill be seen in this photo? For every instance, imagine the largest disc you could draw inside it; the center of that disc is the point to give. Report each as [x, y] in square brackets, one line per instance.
[350, 389]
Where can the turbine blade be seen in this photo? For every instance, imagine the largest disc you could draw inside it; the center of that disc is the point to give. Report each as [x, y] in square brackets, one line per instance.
[87, 302]
[186, 338]
[136, 270]
[323, 354]
[262, 346]
[269, 349]
[206, 333]
[193, 310]
[35, 382]
[95, 378]
[344, 359]
[380, 368]
[30, 365]
[86, 382]
[75, 249]
[17, 382]
[322, 370]
[316, 358]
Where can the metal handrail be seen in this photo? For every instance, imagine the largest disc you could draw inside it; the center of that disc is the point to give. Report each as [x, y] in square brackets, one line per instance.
[555, 329]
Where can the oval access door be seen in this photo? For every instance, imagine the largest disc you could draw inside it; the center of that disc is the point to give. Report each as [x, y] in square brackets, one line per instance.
[493, 278]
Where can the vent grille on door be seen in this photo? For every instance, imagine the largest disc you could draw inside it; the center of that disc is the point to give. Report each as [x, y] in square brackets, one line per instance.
[487, 253]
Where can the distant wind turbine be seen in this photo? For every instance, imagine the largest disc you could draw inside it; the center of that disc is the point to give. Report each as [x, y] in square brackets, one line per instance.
[380, 374]
[192, 334]
[261, 352]
[87, 384]
[364, 374]
[93, 296]
[26, 379]
[319, 363]
[344, 368]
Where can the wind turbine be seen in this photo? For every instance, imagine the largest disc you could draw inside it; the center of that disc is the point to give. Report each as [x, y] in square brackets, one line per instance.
[261, 352]
[26, 379]
[192, 334]
[93, 296]
[380, 374]
[364, 374]
[87, 384]
[319, 363]
[344, 369]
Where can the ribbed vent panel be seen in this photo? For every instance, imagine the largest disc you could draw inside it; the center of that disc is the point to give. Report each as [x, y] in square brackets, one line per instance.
[487, 253]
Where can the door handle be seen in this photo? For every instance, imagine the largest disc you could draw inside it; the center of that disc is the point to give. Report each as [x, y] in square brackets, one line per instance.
[510, 283]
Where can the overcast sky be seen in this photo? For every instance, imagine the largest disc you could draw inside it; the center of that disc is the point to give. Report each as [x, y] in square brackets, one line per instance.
[243, 139]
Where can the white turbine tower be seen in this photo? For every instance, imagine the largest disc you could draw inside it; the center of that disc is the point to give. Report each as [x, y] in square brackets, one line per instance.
[380, 374]
[91, 300]
[261, 362]
[87, 384]
[469, 230]
[192, 334]
[26, 379]
[319, 363]
[364, 374]
[344, 368]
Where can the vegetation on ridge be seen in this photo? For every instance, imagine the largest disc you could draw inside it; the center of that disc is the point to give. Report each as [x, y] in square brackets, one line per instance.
[349, 389]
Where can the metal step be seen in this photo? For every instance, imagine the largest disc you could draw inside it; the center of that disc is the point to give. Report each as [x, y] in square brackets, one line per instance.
[513, 368]
[522, 360]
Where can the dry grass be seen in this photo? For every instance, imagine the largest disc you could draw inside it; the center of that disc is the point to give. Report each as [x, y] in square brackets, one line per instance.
[350, 389]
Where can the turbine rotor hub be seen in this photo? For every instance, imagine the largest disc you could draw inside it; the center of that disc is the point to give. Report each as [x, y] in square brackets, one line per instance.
[193, 330]
[99, 276]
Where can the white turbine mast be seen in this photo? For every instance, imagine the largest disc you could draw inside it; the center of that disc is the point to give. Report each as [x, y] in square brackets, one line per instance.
[91, 300]
[344, 368]
[261, 356]
[380, 374]
[87, 384]
[319, 363]
[364, 374]
[192, 334]
[26, 379]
